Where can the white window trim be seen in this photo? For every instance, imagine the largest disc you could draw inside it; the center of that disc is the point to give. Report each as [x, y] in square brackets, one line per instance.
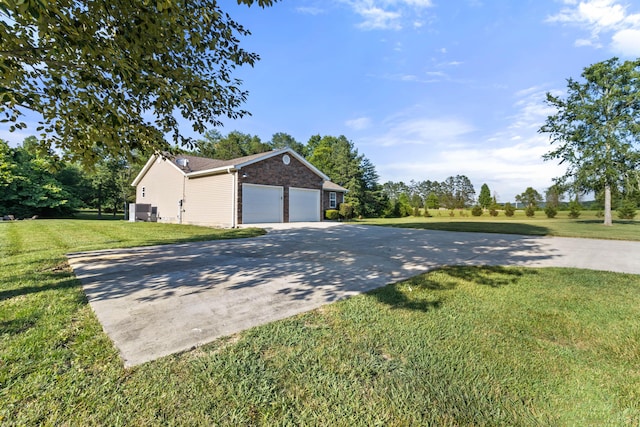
[333, 200]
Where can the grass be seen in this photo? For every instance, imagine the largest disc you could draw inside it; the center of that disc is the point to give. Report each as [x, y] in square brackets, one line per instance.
[586, 226]
[456, 346]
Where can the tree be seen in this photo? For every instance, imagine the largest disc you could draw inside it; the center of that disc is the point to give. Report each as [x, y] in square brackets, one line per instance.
[339, 159]
[282, 140]
[530, 198]
[432, 201]
[554, 195]
[393, 190]
[116, 74]
[29, 182]
[484, 199]
[457, 192]
[596, 128]
[206, 146]
[235, 144]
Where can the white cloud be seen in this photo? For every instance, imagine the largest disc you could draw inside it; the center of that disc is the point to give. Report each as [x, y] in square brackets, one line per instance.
[376, 18]
[388, 14]
[445, 131]
[310, 10]
[509, 161]
[626, 42]
[359, 124]
[603, 19]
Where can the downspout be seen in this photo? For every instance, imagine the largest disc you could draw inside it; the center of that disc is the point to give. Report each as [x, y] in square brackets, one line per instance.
[234, 201]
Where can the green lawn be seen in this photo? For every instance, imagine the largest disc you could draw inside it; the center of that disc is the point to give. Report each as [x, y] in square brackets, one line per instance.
[587, 225]
[456, 346]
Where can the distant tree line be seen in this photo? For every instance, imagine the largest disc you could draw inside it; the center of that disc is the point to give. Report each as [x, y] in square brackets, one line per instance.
[456, 192]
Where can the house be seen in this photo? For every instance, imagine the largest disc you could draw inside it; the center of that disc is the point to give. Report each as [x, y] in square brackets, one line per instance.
[275, 186]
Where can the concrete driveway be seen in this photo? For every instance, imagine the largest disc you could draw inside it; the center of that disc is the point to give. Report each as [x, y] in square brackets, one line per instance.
[154, 301]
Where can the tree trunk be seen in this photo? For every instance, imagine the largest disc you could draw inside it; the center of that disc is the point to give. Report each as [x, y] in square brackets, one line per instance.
[99, 201]
[607, 205]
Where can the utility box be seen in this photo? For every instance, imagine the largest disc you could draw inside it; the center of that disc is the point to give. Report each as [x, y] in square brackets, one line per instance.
[142, 212]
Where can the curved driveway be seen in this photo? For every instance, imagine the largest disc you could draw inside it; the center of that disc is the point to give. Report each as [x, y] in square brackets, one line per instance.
[154, 301]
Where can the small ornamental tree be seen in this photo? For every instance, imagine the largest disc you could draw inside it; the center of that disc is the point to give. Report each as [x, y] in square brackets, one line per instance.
[550, 211]
[509, 210]
[574, 209]
[530, 211]
[627, 210]
[476, 210]
[484, 199]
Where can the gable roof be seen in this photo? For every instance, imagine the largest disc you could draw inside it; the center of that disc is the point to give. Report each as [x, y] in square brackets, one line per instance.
[203, 166]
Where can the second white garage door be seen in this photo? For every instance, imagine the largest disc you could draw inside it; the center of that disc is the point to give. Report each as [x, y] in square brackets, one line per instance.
[304, 205]
[261, 203]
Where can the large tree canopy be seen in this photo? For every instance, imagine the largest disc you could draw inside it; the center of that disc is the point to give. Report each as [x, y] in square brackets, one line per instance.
[596, 128]
[118, 74]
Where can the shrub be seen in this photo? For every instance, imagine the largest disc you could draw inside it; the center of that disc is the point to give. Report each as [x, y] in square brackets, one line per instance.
[427, 214]
[530, 211]
[332, 214]
[452, 213]
[550, 211]
[493, 211]
[574, 209]
[346, 211]
[416, 211]
[509, 210]
[476, 211]
[627, 210]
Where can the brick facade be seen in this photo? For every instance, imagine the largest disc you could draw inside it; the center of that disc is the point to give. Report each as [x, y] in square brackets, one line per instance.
[273, 171]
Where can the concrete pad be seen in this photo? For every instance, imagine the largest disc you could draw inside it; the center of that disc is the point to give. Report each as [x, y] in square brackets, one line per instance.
[154, 301]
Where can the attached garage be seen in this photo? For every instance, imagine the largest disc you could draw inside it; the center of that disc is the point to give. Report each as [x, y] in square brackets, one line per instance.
[271, 187]
[304, 204]
[261, 203]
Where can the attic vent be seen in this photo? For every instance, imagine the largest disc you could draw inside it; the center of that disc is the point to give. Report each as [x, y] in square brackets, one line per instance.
[182, 162]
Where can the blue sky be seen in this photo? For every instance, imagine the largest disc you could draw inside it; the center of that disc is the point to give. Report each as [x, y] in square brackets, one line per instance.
[426, 89]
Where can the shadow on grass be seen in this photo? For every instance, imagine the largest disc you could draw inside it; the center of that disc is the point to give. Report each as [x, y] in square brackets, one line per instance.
[443, 279]
[50, 284]
[478, 227]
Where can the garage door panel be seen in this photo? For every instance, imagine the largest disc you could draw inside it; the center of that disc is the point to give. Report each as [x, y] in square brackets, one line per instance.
[304, 205]
[261, 203]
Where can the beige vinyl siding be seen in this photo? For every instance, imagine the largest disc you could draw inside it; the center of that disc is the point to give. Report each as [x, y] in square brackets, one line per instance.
[163, 185]
[209, 201]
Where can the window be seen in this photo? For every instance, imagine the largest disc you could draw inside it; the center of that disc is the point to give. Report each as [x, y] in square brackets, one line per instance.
[143, 191]
[332, 200]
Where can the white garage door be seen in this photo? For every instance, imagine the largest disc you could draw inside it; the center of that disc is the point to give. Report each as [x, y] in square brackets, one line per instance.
[261, 203]
[304, 205]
